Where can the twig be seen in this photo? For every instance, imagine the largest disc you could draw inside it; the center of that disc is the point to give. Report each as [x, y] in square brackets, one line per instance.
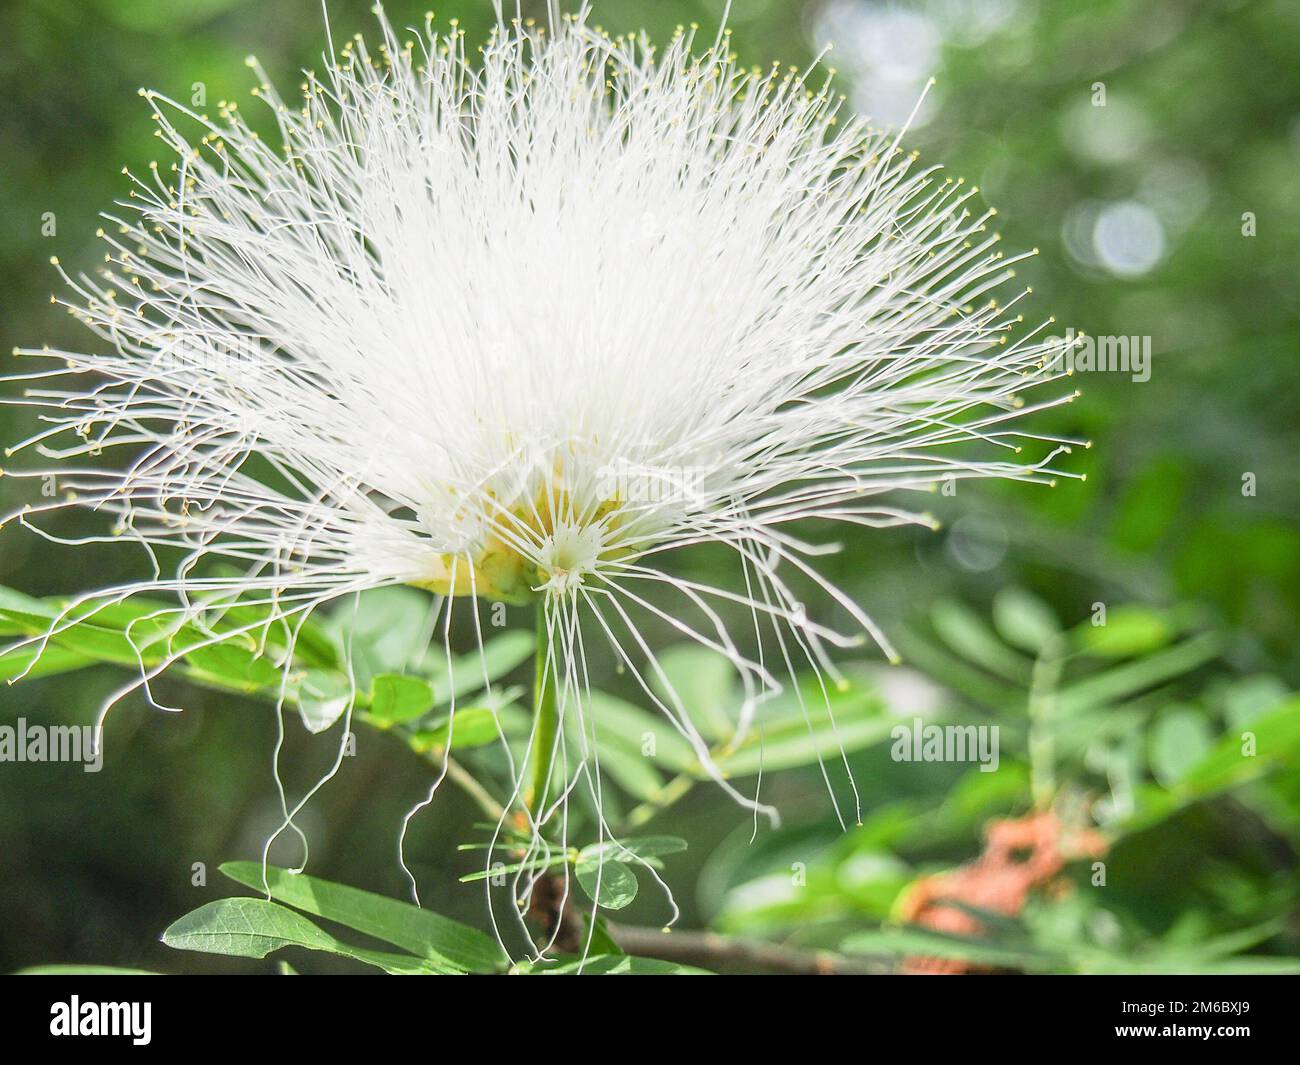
[709, 950]
[674, 790]
[469, 783]
[669, 794]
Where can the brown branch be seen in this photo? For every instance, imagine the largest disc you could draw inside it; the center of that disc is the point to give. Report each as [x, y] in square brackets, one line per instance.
[549, 905]
[711, 951]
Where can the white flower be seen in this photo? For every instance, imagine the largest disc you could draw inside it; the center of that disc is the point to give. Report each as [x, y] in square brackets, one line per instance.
[519, 325]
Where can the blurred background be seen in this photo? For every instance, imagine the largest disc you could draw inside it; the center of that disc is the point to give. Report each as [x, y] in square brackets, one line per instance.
[1149, 149]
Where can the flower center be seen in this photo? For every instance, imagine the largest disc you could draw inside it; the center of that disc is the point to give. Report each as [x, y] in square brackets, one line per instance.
[568, 555]
[560, 555]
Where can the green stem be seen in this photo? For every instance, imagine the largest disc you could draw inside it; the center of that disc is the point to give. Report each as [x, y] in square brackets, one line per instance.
[1043, 686]
[548, 721]
[469, 783]
[669, 794]
[675, 789]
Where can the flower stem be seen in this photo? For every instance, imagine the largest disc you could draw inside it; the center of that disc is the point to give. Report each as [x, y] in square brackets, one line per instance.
[546, 712]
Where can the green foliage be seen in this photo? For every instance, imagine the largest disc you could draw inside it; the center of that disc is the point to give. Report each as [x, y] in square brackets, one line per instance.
[396, 698]
[1069, 938]
[411, 928]
[1124, 721]
[430, 944]
[243, 649]
[254, 928]
[642, 752]
[606, 872]
[1125, 728]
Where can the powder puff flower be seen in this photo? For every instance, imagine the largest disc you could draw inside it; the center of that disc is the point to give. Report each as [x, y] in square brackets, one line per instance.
[519, 326]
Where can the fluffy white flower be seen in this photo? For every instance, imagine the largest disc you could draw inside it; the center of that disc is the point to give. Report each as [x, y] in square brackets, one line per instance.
[518, 325]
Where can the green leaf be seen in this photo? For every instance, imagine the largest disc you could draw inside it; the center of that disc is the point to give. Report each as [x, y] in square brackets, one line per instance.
[1270, 743]
[976, 795]
[633, 730]
[323, 697]
[254, 928]
[474, 726]
[94, 641]
[1024, 620]
[855, 718]
[923, 942]
[620, 761]
[82, 970]
[116, 631]
[630, 849]
[1246, 965]
[704, 682]
[21, 615]
[1246, 698]
[471, 672]
[610, 884]
[597, 937]
[955, 672]
[966, 633]
[630, 770]
[145, 620]
[1230, 943]
[14, 660]
[1274, 740]
[617, 965]
[312, 645]
[1129, 631]
[1136, 676]
[246, 928]
[388, 629]
[232, 665]
[1177, 742]
[156, 20]
[416, 930]
[11, 599]
[396, 697]
[533, 865]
